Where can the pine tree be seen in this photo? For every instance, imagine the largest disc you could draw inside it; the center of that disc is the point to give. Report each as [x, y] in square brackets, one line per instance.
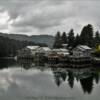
[64, 38]
[57, 43]
[86, 36]
[97, 38]
[77, 40]
[71, 38]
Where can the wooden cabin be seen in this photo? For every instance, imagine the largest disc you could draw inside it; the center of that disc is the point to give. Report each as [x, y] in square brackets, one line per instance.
[82, 51]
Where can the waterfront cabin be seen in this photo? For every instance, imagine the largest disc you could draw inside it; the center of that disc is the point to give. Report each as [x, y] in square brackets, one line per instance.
[44, 50]
[81, 57]
[58, 56]
[82, 51]
[65, 46]
[41, 55]
[33, 49]
[27, 52]
[61, 51]
[53, 59]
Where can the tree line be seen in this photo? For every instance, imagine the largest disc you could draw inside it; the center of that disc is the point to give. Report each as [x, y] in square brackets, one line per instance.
[86, 37]
[9, 47]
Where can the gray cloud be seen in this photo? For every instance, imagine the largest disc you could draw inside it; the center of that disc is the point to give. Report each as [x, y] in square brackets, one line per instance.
[48, 16]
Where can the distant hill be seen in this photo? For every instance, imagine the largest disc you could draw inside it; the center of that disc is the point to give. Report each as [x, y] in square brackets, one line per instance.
[47, 39]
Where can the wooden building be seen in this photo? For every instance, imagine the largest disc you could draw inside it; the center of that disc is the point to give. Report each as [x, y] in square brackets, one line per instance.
[82, 51]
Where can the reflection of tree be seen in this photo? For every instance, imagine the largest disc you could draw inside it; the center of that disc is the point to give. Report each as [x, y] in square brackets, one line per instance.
[27, 64]
[86, 78]
[59, 76]
[6, 63]
[70, 79]
[63, 76]
[96, 77]
[58, 80]
[87, 84]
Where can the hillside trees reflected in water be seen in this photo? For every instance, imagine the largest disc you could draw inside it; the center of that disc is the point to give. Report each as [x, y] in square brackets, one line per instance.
[86, 77]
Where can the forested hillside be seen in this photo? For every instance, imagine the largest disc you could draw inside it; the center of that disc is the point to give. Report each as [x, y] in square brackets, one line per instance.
[45, 39]
[9, 47]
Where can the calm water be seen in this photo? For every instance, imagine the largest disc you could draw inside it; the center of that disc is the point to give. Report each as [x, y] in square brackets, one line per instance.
[25, 81]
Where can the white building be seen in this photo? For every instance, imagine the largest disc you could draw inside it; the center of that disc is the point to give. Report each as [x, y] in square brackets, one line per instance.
[82, 51]
[33, 49]
[61, 51]
[65, 45]
[44, 50]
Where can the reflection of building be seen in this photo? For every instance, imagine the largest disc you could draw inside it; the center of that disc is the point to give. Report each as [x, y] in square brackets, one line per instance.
[24, 53]
[40, 58]
[25, 63]
[81, 73]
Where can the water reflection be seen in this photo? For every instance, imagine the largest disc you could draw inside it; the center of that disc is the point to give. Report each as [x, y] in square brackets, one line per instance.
[86, 77]
[5, 63]
[41, 80]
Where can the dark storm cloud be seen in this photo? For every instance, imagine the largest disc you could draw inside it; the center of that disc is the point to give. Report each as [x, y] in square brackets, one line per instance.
[46, 15]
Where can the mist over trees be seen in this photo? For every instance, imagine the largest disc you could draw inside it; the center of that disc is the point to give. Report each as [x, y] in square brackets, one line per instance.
[86, 37]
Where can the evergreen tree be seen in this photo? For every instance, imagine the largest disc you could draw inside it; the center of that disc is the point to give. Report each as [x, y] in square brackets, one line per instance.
[71, 38]
[77, 40]
[64, 38]
[86, 36]
[57, 43]
[97, 38]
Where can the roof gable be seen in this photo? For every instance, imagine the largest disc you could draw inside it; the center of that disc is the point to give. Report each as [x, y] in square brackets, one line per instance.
[82, 47]
[33, 47]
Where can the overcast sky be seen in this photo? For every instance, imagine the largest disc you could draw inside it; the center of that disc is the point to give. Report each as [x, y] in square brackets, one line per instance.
[33, 17]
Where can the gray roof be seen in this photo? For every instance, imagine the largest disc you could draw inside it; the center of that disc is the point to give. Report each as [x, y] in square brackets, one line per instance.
[83, 47]
[32, 47]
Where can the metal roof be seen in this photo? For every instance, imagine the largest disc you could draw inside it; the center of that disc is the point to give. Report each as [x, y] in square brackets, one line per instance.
[83, 47]
[32, 47]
